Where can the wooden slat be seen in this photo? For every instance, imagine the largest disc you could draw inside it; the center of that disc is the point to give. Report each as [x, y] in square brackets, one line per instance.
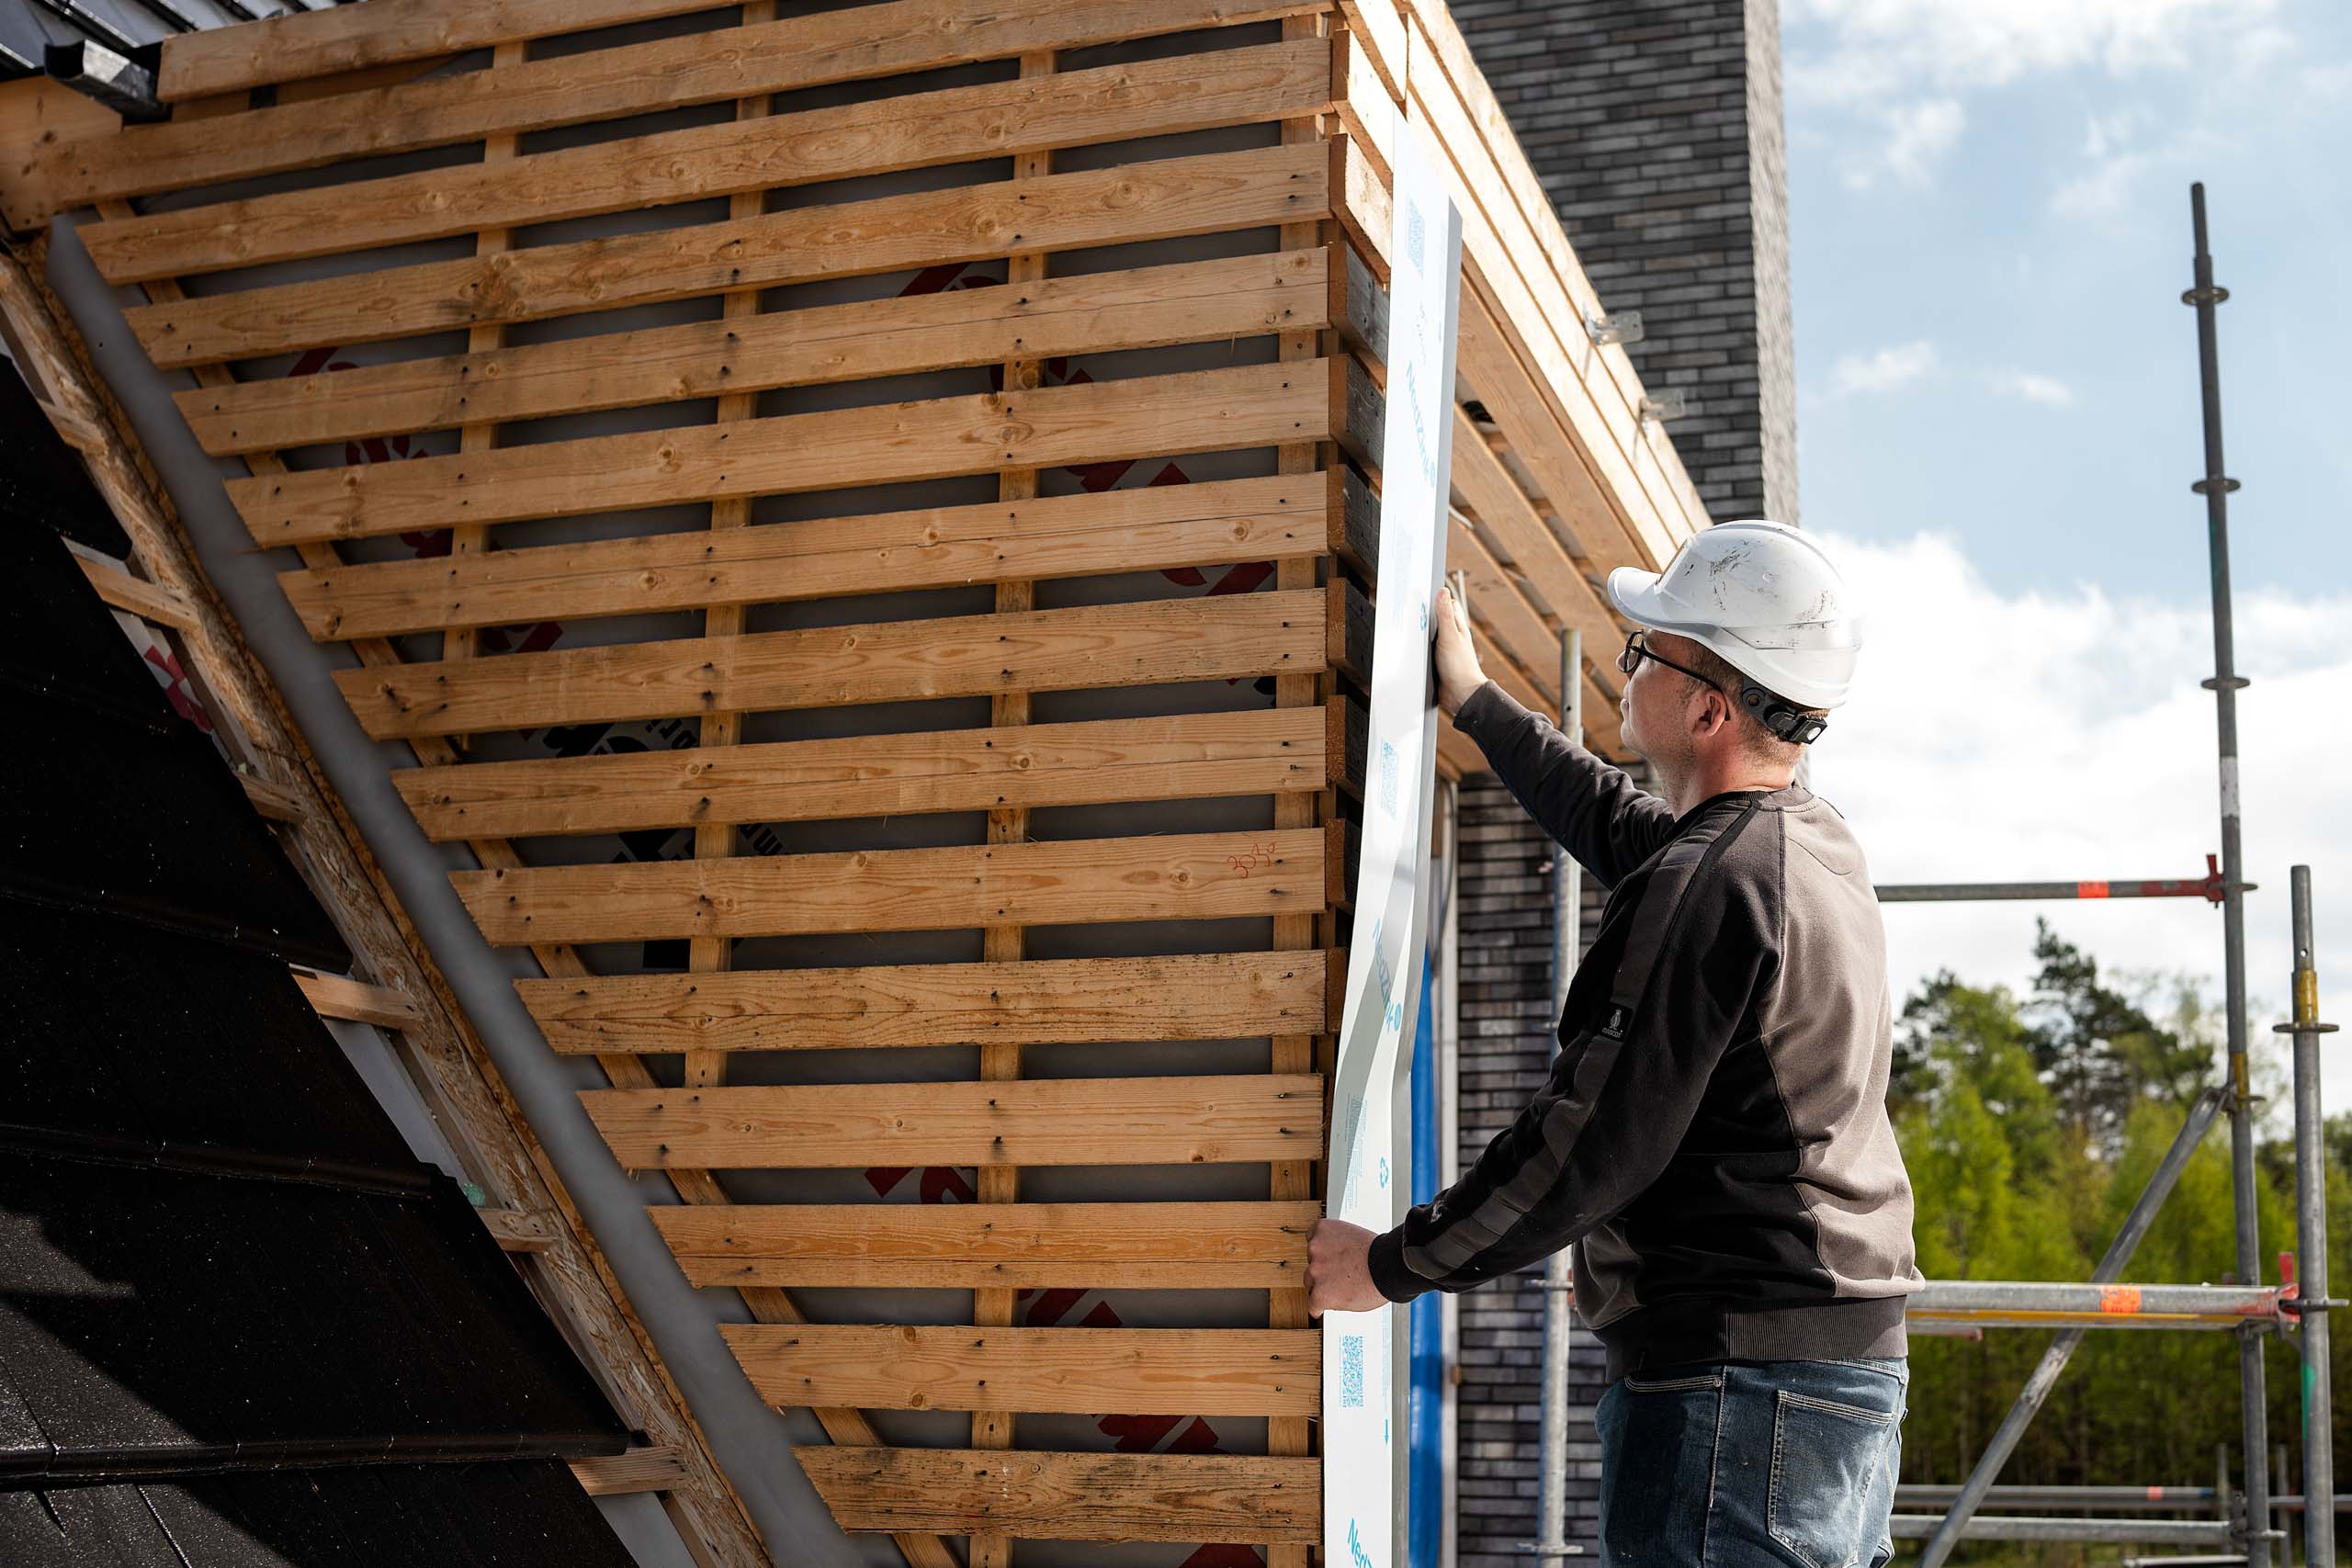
[1217, 996]
[273, 800]
[1545, 328]
[717, 731]
[1531, 405]
[897, 38]
[80, 433]
[1183, 876]
[517, 1230]
[1361, 203]
[1126, 204]
[1292, 1181]
[370, 120]
[319, 44]
[1082, 1371]
[38, 114]
[334, 996]
[1147, 308]
[1070, 1497]
[136, 595]
[1457, 755]
[653, 1469]
[1243, 1118]
[1201, 411]
[470, 539]
[1012, 1247]
[1231, 636]
[1438, 38]
[879, 136]
[944, 546]
[1516, 402]
[1379, 29]
[1496, 502]
[1184, 757]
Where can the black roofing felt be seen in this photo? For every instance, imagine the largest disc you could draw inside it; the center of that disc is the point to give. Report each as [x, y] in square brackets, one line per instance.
[42, 482]
[139, 1031]
[234, 1310]
[488, 1516]
[82, 822]
[163, 1321]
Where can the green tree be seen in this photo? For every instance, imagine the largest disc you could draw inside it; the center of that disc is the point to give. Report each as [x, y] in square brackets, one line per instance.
[2097, 1048]
[2030, 1128]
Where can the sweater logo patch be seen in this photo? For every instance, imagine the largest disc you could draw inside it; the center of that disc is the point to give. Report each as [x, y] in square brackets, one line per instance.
[1613, 1024]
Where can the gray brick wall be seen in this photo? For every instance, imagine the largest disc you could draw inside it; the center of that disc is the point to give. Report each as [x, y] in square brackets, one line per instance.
[1655, 128]
[1503, 963]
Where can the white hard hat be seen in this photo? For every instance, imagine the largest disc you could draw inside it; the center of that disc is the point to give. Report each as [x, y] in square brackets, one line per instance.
[1764, 597]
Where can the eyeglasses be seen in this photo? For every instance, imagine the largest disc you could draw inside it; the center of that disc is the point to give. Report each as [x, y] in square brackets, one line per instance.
[1635, 651]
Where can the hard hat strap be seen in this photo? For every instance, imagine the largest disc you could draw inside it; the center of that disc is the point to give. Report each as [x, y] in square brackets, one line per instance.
[1785, 719]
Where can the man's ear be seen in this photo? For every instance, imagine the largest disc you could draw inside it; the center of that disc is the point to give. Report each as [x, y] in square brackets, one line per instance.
[1715, 711]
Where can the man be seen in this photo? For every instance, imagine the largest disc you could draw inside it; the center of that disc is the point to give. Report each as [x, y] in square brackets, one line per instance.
[1713, 1136]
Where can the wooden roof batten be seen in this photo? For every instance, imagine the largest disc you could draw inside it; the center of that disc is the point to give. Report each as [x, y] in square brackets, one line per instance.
[1558, 477]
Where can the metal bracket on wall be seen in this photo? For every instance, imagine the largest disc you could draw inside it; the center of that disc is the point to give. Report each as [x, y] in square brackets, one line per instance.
[1615, 326]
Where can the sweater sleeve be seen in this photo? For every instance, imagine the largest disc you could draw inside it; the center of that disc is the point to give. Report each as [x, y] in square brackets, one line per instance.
[1594, 811]
[1622, 1093]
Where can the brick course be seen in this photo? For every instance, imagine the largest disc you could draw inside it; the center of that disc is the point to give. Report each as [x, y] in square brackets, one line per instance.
[1655, 128]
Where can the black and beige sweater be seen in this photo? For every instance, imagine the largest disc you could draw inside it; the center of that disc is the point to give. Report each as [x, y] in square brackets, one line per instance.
[1713, 1135]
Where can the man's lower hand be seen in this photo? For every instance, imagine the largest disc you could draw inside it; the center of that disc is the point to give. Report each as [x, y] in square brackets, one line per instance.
[1339, 1270]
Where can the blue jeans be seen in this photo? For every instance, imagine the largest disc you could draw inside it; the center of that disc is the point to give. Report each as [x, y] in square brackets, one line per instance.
[1735, 1464]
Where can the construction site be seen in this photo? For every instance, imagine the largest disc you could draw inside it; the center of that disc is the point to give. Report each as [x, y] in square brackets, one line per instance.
[731, 793]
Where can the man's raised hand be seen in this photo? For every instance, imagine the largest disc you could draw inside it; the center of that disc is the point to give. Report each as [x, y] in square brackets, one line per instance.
[1458, 675]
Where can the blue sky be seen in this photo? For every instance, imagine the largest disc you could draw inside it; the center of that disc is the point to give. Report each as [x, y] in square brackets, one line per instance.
[1989, 218]
[1998, 424]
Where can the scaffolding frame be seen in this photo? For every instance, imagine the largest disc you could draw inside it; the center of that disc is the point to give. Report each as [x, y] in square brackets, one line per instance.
[2257, 1310]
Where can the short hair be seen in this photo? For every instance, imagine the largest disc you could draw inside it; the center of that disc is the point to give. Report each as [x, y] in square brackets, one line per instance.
[1757, 741]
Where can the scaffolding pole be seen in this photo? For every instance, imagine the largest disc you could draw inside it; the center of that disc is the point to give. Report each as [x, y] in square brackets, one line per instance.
[2013, 1527]
[2311, 1240]
[2225, 684]
[1567, 932]
[2208, 887]
[2035, 1303]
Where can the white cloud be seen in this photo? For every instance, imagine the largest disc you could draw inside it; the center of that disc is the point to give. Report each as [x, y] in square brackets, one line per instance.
[1886, 370]
[1914, 138]
[2117, 165]
[1877, 51]
[2047, 391]
[1892, 78]
[2058, 737]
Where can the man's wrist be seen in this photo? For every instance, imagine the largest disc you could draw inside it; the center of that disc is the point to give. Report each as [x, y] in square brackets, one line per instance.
[1385, 1262]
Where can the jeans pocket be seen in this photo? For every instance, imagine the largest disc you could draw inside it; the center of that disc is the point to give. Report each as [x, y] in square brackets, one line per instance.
[1675, 1385]
[1658, 1439]
[1828, 1477]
